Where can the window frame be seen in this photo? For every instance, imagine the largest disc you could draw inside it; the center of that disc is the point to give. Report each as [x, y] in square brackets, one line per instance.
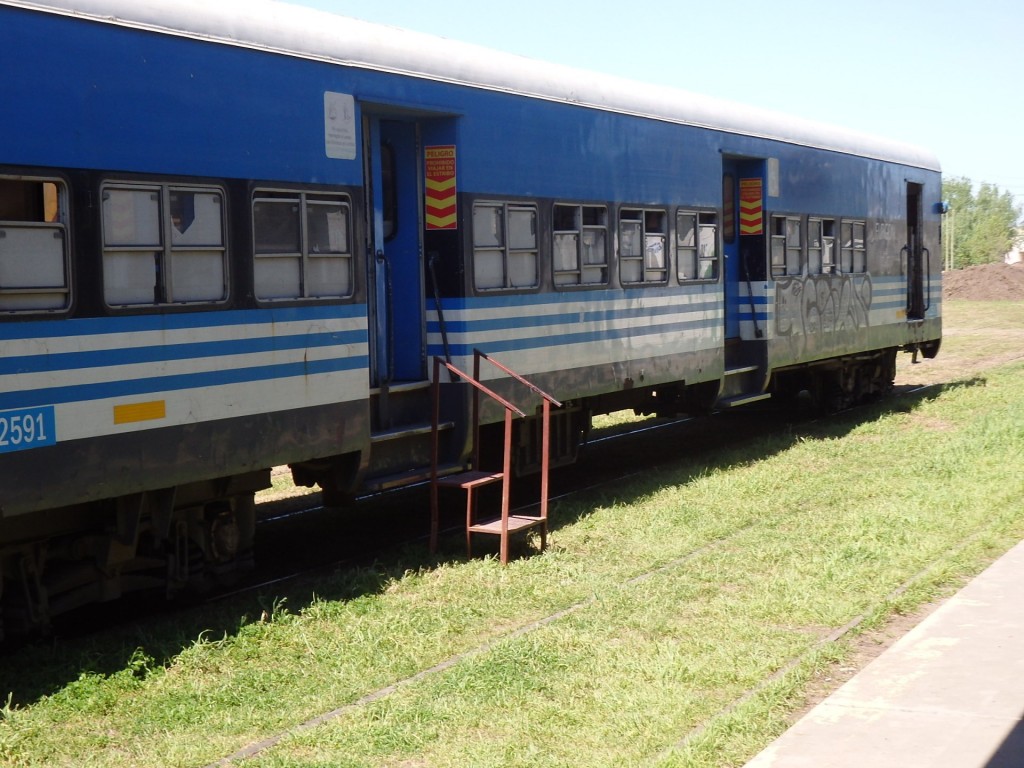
[505, 249]
[304, 200]
[786, 246]
[821, 258]
[646, 234]
[165, 250]
[59, 226]
[693, 255]
[584, 217]
[852, 255]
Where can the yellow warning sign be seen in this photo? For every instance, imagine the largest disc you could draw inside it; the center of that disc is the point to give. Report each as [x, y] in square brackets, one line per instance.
[442, 212]
[751, 206]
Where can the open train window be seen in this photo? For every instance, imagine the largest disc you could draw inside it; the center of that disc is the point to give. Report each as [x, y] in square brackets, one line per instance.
[504, 246]
[33, 245]
[853, 249]
[696, 246]
[163, 244]
[821, 246]
[786, 246]
[642, 246]
[303, 246]
[580, 244]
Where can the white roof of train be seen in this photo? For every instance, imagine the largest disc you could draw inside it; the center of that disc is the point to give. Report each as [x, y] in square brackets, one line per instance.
[308, 33]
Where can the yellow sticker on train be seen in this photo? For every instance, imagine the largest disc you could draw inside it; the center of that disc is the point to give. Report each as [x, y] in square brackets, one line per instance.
[136, 412]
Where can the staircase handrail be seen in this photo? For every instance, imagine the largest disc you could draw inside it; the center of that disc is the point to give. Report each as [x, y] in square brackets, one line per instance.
[477, 354]
[509, 408]
[439, 363]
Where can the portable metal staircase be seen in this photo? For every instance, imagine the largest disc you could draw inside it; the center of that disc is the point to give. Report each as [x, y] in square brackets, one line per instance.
[475, 477]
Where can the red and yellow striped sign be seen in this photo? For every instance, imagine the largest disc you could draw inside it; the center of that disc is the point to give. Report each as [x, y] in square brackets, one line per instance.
[440, 182]
[751, 206]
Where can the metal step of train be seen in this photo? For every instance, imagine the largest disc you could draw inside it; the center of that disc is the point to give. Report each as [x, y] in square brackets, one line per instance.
[744, 380]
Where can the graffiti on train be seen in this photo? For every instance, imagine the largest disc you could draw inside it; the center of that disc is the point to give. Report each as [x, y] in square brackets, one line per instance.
[822, 304]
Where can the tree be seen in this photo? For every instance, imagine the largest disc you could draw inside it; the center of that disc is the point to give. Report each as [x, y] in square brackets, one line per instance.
[982, 225]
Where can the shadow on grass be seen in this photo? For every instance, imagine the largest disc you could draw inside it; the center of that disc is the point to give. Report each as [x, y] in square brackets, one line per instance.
[363, 540]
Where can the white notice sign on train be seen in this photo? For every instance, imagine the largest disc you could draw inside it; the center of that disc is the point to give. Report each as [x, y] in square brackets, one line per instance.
[340, 125]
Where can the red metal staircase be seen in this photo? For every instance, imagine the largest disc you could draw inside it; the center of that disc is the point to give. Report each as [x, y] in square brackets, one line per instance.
[475, 477]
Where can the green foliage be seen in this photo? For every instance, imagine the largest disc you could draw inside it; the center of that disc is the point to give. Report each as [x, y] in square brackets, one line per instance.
[982, 223]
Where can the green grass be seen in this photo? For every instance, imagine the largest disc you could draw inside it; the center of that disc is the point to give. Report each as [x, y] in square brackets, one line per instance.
[674, 620]
[985, 315]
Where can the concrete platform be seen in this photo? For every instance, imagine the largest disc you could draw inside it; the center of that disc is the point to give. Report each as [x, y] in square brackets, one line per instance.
[949, 694]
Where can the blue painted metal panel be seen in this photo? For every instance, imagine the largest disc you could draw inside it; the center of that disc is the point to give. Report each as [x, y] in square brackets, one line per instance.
[121, 324]
[522, 322]
[156, 384]
[110, 97]
[274, 337]
[105, 358]
[102, 96]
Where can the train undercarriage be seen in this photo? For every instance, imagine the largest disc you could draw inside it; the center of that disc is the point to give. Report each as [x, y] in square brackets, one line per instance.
[171, 540]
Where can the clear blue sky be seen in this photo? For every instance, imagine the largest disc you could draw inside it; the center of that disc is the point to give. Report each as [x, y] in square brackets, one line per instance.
[944, 75]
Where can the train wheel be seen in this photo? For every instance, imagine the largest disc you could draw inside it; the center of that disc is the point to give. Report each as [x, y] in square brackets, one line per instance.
[220, 542]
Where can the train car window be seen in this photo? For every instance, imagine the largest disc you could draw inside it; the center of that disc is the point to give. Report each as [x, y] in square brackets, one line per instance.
[853, 249]
[33, 245]
[696, 246]
[821, 241]
[786, 246]
[794, 251]
[707, 264]
[815, 245]
[489, 246]
[729, 208]
[580, 244]
[302, 244]
[197, 270]
[642, 246]
[828, 246]
[686, 246]
[163, 244]
[329, 265]
[778, 246]
[504, 246]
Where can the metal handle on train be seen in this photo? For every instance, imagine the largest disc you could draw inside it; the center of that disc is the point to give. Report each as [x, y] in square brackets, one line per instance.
[928, 273]
[432, 260]
[389, 314]
[905, 268]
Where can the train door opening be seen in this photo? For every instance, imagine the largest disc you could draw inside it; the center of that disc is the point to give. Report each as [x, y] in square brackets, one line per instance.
[917, 301]
[730, 248]
[743, 242]
[395, 269]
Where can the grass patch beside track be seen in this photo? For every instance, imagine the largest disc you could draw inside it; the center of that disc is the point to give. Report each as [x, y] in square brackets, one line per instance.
[675, 621]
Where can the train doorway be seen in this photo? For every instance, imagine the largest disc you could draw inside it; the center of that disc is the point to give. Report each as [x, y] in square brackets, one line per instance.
[743, 242]
[917, 256]
[395, 268]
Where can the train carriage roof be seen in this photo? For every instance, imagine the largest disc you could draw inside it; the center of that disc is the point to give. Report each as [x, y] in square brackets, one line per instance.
[308, 33]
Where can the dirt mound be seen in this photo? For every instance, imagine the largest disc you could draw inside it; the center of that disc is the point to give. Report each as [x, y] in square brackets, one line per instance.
[985, 282]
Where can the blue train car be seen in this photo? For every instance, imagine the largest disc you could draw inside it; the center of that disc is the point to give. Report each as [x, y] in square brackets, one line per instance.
[233, 236]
